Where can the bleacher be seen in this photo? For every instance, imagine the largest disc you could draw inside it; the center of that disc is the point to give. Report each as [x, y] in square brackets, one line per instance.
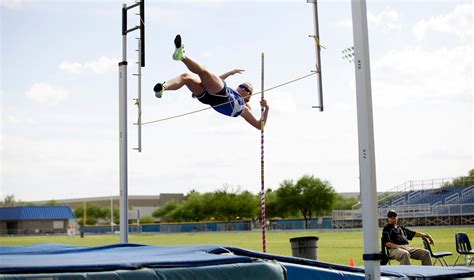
[433, 197]
[434, 202]
[439, 201]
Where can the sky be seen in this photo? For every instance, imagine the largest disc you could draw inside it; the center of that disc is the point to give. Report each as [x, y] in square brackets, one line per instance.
[59, 96]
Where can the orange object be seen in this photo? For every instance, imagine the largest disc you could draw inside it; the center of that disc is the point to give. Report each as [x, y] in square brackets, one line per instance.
[351, 262]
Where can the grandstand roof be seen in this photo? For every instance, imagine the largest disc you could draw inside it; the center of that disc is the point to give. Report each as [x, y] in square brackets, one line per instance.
[36, 213]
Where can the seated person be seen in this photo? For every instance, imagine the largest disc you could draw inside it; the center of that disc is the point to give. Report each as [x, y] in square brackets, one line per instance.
[396, 237]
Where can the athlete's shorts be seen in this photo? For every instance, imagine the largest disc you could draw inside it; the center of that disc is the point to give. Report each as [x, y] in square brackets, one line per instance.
[227, 101]
[214, 99]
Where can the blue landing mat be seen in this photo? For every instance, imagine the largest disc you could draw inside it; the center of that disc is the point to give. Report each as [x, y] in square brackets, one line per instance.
[188, 262]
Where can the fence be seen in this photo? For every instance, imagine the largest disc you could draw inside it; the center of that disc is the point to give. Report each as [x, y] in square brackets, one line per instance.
[290, 224]
[298, 224]
[174, 227]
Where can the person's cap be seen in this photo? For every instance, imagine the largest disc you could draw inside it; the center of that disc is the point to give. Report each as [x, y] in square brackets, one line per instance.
[391, 214]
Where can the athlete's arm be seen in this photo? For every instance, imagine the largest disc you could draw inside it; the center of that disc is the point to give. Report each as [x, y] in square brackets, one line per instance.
[250, 118]
[231, 72]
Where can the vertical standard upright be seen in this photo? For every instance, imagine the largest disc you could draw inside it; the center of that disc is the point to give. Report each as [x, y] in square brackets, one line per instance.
[262, 164]
[368, 186]
[123, 111]
[318, 54]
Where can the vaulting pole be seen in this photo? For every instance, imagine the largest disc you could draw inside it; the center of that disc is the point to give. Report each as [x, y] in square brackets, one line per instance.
[262, 163]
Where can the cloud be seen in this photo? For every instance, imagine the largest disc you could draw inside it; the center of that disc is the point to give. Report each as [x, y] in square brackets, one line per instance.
[415, 74]
[346, 23]
[15, 120]
[100, 66]
[282, 102]
[388, 19]
[207, 54]
[447, 153]
[12, 119]
[11, 4]
[458, 22]
[45, 94]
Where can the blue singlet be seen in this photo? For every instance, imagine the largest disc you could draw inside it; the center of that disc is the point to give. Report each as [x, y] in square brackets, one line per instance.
[233, 101]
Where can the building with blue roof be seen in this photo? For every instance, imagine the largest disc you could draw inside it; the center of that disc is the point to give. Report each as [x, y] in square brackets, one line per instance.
[36, 220]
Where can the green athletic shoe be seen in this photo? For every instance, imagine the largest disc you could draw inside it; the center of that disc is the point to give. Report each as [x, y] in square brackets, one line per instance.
[179, 52]
[158, 89]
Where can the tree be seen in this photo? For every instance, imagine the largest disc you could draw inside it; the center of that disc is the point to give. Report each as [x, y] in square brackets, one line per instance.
[462, 181]
[288, 198]
[225, 204]
[52, 203]
[116, 215]
[94, 213]
[195, 208]
[9, 200]
[233, 205]
[163, 211]
[147, 220]
[273, 209]
[28, 204]
[247, 203]
[310, 196]
[343, 203]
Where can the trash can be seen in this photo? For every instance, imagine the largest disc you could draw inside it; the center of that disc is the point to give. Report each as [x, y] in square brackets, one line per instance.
[305, 247]
[82, 234]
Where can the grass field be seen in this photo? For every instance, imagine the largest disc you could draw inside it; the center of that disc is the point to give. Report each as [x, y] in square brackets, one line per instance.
[334, 246]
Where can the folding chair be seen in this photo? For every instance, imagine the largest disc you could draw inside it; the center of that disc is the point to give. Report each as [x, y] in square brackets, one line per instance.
[463, 247]
[437, 256]
[385, 255]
